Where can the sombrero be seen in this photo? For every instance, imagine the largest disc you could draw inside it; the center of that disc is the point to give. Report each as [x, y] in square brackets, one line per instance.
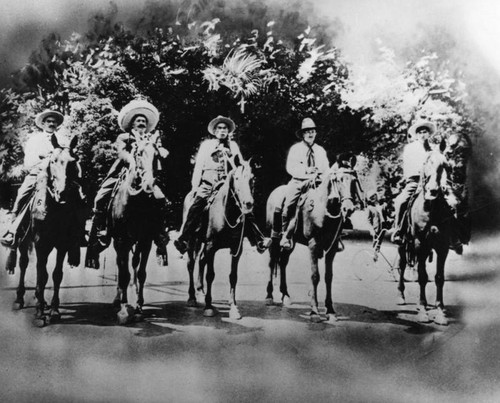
[45, 114]
[221, 119]
[422, 123]
[307, 124]
[138, 107]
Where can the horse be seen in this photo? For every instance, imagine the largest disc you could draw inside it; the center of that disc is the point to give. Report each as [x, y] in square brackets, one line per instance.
[225, 229]
[53, 212]
[321, 215]
[428, 223]
[133, 225]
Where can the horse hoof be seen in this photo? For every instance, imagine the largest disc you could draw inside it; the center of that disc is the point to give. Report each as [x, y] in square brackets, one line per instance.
[422, 315]
[138, 317]
[125, 315]
[315, 317]
[192, 303]
[401, 300]
[332, 318]
[209, 312]
[234, 312]
[441, 319]
[269, 301]
[287, 301]
[40, 321]
[116, 303]
[17, 305]
[54, 316]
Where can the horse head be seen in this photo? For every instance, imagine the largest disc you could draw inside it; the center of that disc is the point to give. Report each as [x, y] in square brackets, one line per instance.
[343, 190]
[63, 168]
[141, 174]
[242, 186]
[434, 177]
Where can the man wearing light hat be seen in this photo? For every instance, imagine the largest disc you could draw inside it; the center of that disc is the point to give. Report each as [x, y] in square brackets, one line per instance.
[414, 156]
[215, 158]
[306, 162]
[138, 119]
[37, 148]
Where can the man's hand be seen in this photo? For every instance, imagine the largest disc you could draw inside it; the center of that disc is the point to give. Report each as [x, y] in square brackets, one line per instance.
[163, 152]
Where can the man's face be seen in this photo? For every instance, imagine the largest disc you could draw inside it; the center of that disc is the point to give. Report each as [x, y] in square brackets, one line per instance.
[309, 135]
[49, 124]
[221, 131]
[422, 133]
[140, 123]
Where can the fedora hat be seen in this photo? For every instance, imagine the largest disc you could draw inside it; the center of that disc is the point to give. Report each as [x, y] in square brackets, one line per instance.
[45, 114]
[422, 123]
[307, 123]
[138, 107]
[221, 119]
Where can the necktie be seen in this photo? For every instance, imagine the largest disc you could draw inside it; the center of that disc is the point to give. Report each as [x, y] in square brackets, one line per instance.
[310, 158]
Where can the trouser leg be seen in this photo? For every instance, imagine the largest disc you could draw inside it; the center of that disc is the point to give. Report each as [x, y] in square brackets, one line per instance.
[294, 191]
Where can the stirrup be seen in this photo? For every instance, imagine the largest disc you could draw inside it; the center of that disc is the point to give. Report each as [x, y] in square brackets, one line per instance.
[286, 243]
[8, 240]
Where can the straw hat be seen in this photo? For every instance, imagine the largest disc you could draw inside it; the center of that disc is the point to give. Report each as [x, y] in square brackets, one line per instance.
[221, 119]
[307, 124]
[45, 114]
[138, 107]
[422, 123]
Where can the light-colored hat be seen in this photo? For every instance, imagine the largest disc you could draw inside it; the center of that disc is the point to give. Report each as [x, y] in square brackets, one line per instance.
[422, 123]
[45, 114]
[221, 119]
[307, 123]
[138, 107]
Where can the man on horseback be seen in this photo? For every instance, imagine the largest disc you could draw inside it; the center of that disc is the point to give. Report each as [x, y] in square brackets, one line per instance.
[138, 119]
[37, 148]
[215, 158]
[307, 162]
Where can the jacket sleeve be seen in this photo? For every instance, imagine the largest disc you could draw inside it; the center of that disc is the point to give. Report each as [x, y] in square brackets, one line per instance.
[198, 165]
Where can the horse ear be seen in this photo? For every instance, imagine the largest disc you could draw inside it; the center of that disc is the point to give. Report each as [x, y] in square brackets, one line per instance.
[353, 161]
[54, 141]
[442, 145]
[427, 147]
[73, 143]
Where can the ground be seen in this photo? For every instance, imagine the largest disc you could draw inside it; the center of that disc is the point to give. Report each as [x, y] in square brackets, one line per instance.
[377, 352]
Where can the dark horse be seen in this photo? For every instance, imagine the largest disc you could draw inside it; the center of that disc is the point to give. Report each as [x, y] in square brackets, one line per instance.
[428, 221]
[134, 222]
[225, 229]
[53, 222]
[319, 223]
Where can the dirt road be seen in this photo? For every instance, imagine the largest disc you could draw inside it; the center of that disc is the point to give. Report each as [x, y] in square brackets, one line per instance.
[377, 352]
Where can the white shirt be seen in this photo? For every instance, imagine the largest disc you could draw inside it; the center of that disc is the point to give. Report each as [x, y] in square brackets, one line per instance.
[206, 163]
[296, 163]
[37, 147]
[414, 156]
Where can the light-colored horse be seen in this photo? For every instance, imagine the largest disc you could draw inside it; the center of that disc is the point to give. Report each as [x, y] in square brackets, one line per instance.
[133, 225]
[225, 229]
[429, 226]
[320, 219]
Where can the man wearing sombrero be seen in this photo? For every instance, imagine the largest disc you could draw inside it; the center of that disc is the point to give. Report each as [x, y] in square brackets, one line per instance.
[215, 158]
[37, 148]
[306, 161]
[414, 156]
[138, 119]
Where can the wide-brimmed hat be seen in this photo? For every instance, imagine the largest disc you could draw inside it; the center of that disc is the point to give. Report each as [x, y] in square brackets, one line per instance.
[422, 123]
[307, 123]
[138, 107]
[45, 114]
[221, 119]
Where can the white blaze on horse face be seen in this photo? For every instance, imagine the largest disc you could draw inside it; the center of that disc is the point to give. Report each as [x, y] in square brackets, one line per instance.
[243, 188]
[58, 167]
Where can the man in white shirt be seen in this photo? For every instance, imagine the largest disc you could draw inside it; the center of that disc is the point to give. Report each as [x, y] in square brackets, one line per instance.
[215, 158]
[414, 156]
[37, 148]
[306, 163]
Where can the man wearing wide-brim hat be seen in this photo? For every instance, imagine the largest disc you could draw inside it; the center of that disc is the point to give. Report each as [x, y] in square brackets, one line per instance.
[37, 148]
[137, 119]
[306, 162]
[216, 157]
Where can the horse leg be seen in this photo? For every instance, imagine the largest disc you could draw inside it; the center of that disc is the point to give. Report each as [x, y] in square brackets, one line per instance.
[423, 279]
[141, 277]
[440, 318]
[401, 283]
[41, 281]
[285, 297]
[126, 313]
[330, 312]
[191, 261]
[209, 255]
[314, 280]
[274, 254]
[202, 263]
[234, 312]
[21, 289]
[57, 275]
